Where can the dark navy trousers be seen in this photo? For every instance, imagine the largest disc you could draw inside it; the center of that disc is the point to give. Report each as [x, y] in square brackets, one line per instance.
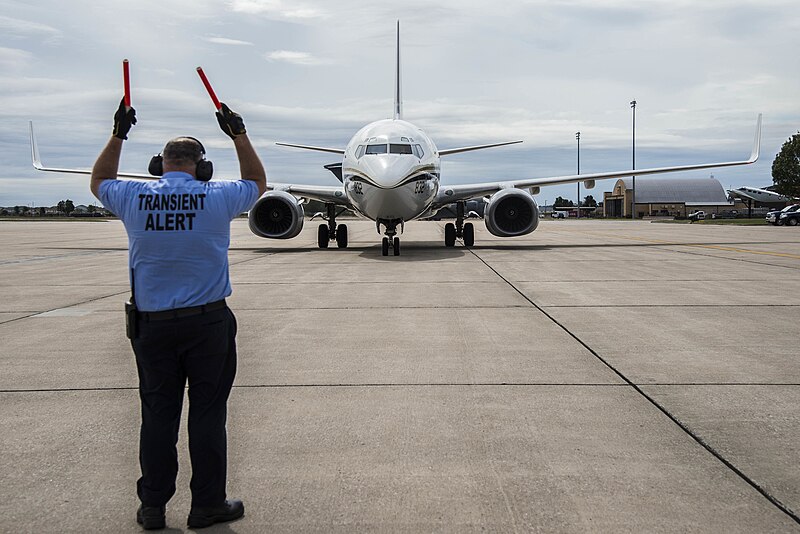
[200, 350]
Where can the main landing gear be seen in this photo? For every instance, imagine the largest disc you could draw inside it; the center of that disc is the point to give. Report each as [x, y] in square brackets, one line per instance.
[391, 241]
[331, 231]
[460, 229]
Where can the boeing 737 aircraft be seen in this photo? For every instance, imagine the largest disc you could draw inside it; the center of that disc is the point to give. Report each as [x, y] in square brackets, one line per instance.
[389, 173]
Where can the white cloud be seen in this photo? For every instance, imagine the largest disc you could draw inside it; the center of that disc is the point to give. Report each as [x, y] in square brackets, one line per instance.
[14, 58]
[295, 57]
[226, 41]
[277, 8]
[24, 28]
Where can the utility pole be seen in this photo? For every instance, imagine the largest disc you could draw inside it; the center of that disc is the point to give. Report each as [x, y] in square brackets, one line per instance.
[578, 137]
[633, 148]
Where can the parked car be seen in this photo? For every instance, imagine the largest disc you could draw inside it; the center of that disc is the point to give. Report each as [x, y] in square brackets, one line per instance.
[773, 217]
[558, 215]
[697, 216]
[789, 218]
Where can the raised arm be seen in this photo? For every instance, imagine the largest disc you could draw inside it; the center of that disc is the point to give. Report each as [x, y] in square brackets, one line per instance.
[250, 165]
[107, 165]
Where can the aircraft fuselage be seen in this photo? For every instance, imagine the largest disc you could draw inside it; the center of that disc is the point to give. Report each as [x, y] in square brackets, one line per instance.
[390, 171]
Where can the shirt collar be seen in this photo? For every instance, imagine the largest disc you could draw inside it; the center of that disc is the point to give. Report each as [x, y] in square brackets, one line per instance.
[177, 175]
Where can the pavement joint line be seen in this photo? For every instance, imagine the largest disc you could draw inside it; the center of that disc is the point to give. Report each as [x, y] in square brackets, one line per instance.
[696, 437]
[453, 307]
[238, 309]
[581, 281]
[702, 245]
[617, 281]
[368, 385]
[365, 385]
[743, 260]
[670, 305]
[34, 314]
[700, 254]
[56, 257]
[85, 252]
[366, 282]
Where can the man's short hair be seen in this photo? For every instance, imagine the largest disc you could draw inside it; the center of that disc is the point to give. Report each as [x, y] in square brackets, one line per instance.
[182, 151]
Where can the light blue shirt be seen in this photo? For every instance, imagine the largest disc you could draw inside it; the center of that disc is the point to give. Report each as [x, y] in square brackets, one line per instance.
[178, 236]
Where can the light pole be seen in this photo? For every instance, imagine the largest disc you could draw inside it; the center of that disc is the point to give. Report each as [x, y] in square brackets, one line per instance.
[578, 137]
[633, 163]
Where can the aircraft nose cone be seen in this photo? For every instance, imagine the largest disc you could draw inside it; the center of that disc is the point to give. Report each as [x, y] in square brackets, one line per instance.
[388, 170]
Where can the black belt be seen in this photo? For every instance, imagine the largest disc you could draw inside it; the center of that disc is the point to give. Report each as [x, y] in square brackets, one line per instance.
[179, 313]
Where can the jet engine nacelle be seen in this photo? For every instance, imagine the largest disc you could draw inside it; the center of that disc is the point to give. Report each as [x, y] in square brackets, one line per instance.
[510, 213]
[277, 215]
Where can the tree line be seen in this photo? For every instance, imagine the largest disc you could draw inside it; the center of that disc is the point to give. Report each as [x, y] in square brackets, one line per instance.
[65, 207]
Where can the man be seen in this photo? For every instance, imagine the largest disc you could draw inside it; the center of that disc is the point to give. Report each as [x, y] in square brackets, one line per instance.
[178, 236]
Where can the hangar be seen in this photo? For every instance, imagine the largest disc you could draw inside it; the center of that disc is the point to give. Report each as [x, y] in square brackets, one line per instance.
[675, 197]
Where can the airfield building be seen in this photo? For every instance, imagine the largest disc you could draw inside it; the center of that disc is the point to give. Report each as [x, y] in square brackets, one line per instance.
[668, 197]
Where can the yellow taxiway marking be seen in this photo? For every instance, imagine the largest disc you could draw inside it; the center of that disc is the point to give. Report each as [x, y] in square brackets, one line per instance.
[699, 245]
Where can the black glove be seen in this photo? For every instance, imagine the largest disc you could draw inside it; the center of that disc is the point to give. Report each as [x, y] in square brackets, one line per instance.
[123, 120]
[230, 122]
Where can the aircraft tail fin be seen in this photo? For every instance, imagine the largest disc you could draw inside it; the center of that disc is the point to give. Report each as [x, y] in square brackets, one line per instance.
[398, 97]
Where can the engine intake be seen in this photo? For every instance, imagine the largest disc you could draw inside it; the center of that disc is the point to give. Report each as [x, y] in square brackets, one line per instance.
[276, 215]
[510, 213]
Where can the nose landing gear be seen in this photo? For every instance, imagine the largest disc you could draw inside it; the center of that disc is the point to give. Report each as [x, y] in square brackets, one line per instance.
[391, 240]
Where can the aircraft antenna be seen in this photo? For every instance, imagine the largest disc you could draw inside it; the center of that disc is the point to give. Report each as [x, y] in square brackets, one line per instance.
[398, 97]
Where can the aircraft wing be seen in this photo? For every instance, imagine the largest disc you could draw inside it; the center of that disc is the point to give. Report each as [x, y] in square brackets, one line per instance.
[448, 151]
[317, 148]
[324, 193]
[454, 193]
[37, 164]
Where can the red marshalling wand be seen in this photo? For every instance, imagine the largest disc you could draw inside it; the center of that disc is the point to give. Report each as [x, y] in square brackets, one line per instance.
[126, 77]
[208, 88]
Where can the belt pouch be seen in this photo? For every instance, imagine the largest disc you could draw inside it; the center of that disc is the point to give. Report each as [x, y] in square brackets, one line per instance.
[131, 320]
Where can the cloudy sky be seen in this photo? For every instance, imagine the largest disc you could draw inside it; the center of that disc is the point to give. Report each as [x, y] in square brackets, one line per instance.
[474, 72]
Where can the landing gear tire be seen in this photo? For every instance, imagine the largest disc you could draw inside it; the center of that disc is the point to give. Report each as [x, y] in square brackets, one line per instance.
[323, 236]
[385, 246]
[396, 247]
[469, 235]
[341, 236]
[449, 234]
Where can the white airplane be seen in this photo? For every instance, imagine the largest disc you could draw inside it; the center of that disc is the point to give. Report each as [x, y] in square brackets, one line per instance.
[761, 195]
[390, 174]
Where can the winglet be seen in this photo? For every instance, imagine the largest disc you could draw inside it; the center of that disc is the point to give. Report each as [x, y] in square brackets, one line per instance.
[37, 164]
[756, 142]
[398, 97]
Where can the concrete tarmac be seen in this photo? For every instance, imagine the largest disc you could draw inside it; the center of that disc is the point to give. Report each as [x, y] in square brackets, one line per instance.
[594, 376]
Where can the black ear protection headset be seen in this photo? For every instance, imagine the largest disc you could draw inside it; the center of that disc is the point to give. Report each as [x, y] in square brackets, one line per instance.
[203, 171]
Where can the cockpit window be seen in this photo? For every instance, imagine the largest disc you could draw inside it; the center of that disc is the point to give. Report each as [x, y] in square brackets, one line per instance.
[359, 151]
[418, 151]
[376, 149]
[395, 148]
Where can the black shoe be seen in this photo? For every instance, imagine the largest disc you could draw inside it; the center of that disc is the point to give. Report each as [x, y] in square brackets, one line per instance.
[205, 517]
[151, 517]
